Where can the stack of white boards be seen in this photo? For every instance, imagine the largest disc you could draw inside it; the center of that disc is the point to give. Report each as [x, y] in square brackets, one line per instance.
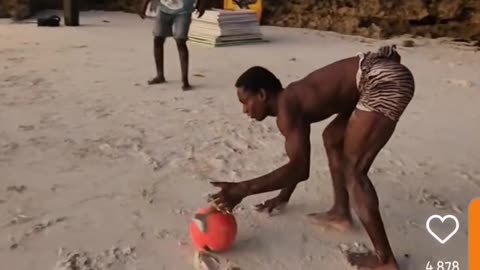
[219, 27]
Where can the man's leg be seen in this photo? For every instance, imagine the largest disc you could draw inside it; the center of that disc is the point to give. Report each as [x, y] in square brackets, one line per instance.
[181, 28]
[158, 54]
[366, 134]
[338, 217]
[162, 29]
[183, 54]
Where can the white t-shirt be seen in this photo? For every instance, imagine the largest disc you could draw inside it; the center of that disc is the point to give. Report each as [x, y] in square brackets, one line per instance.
[176, 6]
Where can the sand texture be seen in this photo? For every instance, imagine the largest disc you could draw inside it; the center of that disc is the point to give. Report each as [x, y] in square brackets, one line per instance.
[100, 171]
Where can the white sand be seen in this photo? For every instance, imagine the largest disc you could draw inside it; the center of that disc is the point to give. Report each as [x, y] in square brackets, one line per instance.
[107, 161]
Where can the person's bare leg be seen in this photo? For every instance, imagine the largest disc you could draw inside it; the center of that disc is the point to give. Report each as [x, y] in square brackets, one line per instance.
[367, 133]
[184, 57]
[338, 217]
[158, 54]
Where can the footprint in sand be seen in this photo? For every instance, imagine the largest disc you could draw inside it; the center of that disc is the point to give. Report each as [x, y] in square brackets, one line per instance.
[184, 110]
[10, 51]
[9, 148]
[37, 81]
[208, 261]
[218, 162]
[460, 83]
[42, 142]
[50, 119]
[99, 111]
[148, 195]
[102, 113]
[114, 258]
[355, 248]
[17, 188]
[165, 234]
[209, 101]
[182, 211]
[13, 78]
[192, 123]
[465, 175]
[236, 146]
[26, 127]
[37, 228]
[205, 261]
[16, 60]
[438, 202]
[151, 161]
[471, 177]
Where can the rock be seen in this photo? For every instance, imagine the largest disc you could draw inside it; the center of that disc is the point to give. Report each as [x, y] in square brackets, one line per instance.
[369, 18]
[18, 9]
[379, 18]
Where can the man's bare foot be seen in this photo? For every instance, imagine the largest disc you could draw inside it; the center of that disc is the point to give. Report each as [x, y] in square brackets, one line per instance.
[157, 80]
[331, 220]
[186, 87]
[369, 261]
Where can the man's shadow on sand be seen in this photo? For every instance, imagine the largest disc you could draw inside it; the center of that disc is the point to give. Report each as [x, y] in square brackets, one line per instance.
[262, 237]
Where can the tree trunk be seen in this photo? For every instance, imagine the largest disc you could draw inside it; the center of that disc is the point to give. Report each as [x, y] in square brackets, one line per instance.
[71, 12]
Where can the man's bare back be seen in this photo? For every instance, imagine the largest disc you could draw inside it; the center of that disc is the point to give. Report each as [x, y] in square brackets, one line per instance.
[324, 92]
[368, 94]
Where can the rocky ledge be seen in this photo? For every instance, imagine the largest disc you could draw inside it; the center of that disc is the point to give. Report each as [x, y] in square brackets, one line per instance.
[369, 18]
[379, 18]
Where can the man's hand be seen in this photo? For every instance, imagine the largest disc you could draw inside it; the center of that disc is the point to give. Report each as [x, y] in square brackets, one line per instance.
[272, 204]
[228, 197]
[278, 202]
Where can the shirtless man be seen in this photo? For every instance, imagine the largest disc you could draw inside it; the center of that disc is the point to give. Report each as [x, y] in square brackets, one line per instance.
[368, 93]
[173, 19]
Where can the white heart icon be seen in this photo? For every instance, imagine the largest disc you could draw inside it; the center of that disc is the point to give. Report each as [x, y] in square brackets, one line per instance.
[442, 219]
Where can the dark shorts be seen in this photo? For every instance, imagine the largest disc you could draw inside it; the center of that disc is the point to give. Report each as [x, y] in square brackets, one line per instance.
[172, 25]
[385, 85]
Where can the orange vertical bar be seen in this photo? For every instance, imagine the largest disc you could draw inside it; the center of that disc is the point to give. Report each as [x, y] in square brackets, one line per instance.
[474, 234]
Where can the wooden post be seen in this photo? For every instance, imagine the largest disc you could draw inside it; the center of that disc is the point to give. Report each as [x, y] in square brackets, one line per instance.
[71, 12]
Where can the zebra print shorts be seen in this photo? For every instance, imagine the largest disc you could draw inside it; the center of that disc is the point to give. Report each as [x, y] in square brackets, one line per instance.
[385, 85]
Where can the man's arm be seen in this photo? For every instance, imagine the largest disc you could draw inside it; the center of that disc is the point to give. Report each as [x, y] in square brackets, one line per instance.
[297, 145]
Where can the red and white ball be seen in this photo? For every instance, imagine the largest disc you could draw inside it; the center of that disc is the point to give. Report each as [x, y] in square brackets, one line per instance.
[212, 230]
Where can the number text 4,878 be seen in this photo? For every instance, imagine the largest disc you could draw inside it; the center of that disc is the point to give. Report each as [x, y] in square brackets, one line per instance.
[443, 265]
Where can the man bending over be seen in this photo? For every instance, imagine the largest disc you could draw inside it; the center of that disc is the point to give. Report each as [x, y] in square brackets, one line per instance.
[368, 93]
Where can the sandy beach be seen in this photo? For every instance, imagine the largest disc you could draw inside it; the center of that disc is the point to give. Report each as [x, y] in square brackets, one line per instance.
[95, 162]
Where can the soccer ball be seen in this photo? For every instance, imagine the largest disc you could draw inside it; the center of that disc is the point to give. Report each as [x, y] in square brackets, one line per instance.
[212, 230]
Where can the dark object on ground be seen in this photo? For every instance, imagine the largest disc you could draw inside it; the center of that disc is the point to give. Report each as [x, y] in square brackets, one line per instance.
[71, 10]
[243, 4]
[408, 43]
[51, 21]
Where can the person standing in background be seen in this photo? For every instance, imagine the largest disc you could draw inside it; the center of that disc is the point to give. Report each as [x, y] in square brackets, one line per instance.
[173, 20]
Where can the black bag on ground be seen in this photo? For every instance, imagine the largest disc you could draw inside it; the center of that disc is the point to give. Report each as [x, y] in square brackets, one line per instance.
[51, 21]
